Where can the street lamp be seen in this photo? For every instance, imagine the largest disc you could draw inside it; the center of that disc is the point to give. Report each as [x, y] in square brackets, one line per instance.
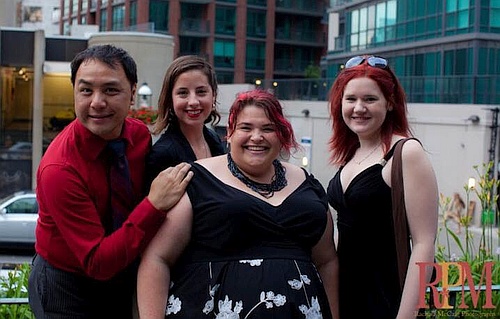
[145, 94]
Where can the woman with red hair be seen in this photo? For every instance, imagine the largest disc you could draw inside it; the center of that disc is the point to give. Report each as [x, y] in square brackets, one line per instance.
[369, 116]
[253, 235]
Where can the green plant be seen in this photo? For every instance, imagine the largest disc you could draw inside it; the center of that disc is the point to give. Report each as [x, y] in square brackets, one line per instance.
[475, 257]
[15, 285]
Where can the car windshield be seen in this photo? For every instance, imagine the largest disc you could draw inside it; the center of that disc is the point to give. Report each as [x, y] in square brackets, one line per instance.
[3, 200]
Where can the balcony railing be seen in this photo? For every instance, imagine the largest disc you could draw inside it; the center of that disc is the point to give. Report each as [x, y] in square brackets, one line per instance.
[143, 27]
[300, 5]
[194, 25]
[304, 36]
[419, 89]
[290, 65]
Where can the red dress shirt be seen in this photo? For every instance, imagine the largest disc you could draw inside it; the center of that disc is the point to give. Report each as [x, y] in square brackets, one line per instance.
[74, 203]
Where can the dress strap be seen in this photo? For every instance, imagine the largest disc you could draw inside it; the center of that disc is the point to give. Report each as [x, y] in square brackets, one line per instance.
[389, 154]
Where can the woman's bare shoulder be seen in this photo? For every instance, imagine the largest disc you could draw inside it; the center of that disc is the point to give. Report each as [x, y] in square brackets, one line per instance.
[213, 163]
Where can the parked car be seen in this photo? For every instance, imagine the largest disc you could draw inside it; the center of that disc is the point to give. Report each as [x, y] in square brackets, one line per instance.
[18, 218]
[21, 150]
[18, 151]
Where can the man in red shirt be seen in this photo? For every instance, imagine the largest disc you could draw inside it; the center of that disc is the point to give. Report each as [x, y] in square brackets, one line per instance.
[85, 268]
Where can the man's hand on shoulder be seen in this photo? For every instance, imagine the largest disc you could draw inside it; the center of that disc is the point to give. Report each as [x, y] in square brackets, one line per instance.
[169, 186]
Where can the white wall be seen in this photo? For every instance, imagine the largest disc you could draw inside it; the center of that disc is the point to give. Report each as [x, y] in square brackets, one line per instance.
[455, 144]
[8, 13]
[152, 53]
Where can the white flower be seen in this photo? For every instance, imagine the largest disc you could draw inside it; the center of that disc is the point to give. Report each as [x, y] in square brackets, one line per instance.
[238, 307]
[314, 312]
[209, 306]
[295, 284]
[225, 311]
[173, 305]
[270, 299]
[298, 284]
[252, 262]
[279, 300]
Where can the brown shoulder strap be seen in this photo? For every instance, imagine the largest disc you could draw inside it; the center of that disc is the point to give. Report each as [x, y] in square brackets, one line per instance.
[399, 212]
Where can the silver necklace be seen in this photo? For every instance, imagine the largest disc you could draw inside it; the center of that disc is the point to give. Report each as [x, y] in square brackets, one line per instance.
[368, 155]
[206, 149]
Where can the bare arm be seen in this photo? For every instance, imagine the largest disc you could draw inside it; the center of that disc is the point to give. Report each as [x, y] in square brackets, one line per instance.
[324, 256]
[422, 202]
[154, 271]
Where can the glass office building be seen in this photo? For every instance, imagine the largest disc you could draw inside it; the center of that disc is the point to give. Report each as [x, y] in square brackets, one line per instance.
[443, 51]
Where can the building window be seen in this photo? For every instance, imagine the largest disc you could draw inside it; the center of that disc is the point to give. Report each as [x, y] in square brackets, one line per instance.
[256, 23]
[494, 15]
[224, 77]
[118, 18]
[133, 13]
[188, 45]
[66, 9]
[225, 20]
[75, 9]
[256, 55]
[104, 20]
[373, 25]
[158, 15]
[223, 53]
[457, 16]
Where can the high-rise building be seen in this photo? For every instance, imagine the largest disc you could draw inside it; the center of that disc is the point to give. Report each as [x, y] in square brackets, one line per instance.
[443, 51]
[245, 40]
[30, 15]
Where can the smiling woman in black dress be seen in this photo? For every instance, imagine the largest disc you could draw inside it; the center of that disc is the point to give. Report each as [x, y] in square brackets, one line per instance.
[252, 237]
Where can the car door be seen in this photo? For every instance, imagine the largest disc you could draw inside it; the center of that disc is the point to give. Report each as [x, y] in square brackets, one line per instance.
[18, 221]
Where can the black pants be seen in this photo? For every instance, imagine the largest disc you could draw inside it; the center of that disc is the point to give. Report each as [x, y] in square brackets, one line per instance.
[58, 294]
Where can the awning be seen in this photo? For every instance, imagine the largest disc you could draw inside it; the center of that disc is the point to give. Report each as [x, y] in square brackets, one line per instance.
[56, 68]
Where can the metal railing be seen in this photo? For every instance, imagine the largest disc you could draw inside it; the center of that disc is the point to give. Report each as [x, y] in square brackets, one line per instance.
[13, 301]
[419, 89]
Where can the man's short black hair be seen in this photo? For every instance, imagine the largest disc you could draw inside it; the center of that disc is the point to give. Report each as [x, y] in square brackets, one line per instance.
[110, 55]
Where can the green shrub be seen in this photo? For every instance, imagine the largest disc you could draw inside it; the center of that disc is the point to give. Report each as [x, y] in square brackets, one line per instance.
[476, 257]
[15, 285]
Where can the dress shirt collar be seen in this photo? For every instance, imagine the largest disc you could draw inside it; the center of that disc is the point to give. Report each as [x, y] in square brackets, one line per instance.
[92, 145]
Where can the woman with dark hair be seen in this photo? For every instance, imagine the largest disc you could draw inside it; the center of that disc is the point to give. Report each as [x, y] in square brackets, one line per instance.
[369, 116]
[188, 101]
[253, 235]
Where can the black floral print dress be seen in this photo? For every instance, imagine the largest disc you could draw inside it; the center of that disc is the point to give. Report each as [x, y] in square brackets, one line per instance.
[247, 258]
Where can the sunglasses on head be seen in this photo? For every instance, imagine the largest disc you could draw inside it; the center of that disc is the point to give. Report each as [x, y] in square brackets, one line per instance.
[373, 61]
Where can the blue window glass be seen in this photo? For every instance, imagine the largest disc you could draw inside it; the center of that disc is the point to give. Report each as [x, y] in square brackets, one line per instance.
[104, 20]
[463, 19]
[223, 53]
[495, 17]
[256, 23]
[225, 20]
[256, 55]
[158, 15]
[133, 13]
[118, 18]
[451, 5]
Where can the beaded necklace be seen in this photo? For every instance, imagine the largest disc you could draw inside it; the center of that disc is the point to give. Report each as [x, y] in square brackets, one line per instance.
[278, 181]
